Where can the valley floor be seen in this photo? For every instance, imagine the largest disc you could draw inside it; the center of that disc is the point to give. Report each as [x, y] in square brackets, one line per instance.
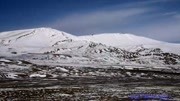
[27, 81]
[97, 88]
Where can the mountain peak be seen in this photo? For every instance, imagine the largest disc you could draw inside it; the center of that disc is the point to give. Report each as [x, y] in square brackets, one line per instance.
[37, 37]
[44, 29]
[119, 39]
[48, 37]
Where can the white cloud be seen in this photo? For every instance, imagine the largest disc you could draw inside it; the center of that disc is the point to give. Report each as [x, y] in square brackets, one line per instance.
[170, 13]
[125, 18]
[83, 23]
[177, 16]
[166, 31]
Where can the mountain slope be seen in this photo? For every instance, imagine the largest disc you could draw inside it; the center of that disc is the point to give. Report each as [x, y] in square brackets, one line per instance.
[131, 42]
[38, 37]
[49, 53]
[47, 37]
[56, 46]
[119, 40]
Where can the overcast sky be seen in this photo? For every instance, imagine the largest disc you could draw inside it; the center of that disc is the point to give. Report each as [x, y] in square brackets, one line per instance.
[157, 19]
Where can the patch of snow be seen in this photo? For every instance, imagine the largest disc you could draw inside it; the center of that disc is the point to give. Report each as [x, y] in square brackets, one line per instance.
[62, 69]
[37, 75]
[4, 60]
[128, 73]
[11, 75]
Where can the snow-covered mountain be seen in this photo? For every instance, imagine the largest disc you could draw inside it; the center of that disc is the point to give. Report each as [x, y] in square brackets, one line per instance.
[38, 37]
[57, 46]
[119, 39]
[131, 42]
[49, 53]
[48, 37]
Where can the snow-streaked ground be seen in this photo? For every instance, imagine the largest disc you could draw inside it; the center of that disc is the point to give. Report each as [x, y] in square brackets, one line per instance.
[88, 89]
